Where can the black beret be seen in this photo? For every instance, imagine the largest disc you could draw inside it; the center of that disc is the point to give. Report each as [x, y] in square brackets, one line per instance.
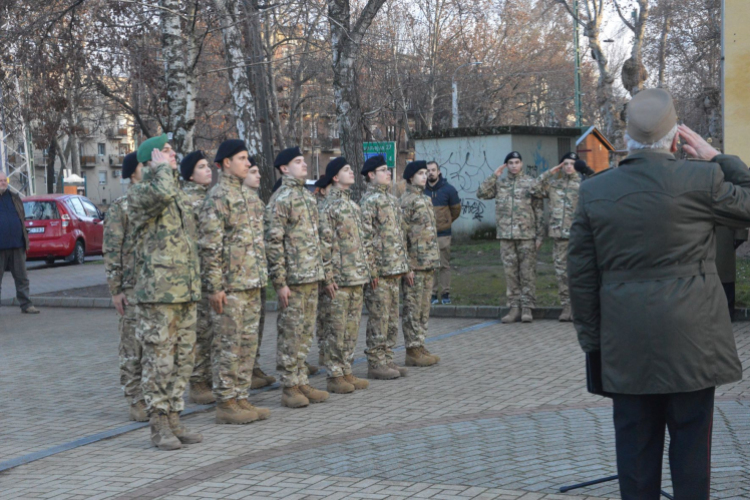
[582, 168]
[569, 156]
[252, 161]
[286, 156]
[512, 155]
[372, 163]
[129, 164]
[323, 182]
[334, 167]
[414, 167]
[187, 165]
[229, 148]
[276, 186]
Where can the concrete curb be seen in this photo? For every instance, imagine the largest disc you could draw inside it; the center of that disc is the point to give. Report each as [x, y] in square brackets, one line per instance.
[483, 312]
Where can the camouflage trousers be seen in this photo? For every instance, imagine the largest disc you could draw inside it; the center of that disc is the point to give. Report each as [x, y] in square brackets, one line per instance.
[296, 325]
[261, 322]
[417, 302]
[519, 264]
[130, 351]
[235, 343]
[342, 329]
[382, 320]
[167, 335]
[203, 335]
[560, 256]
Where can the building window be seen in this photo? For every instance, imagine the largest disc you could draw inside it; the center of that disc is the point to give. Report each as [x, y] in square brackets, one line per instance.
[102, 148]
[102, 177]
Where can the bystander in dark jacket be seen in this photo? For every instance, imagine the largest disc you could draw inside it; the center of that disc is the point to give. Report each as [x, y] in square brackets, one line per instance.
[447, 207]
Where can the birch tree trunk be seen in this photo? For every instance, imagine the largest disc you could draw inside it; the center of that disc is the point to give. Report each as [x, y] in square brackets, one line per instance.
[173, 48]
[191, 82]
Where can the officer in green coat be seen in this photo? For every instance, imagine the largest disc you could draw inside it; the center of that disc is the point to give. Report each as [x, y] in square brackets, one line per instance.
[646, 294]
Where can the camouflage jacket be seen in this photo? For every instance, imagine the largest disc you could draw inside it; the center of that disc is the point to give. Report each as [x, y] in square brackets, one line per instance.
[167, 267]
[295, 253]
[518, 216]
[420, 229]
[351, 250]
[233, 255]
[118, 247]
[563, 199]
[196, 195]
[381, 215]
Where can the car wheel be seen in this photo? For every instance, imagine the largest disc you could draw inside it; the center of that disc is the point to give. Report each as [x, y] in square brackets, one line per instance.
[50, 261]
[79, 253]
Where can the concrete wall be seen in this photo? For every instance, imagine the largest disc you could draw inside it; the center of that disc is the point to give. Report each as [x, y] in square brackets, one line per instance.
[467, 161]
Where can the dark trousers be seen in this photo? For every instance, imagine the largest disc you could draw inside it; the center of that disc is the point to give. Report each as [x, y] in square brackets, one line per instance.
[15, 260]
[729, 292]
[639, 434]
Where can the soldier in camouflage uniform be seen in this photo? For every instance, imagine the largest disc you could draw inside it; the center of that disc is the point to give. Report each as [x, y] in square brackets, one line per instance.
[167, 287]
[562, 193]
[353, 266]
[196, 179]
[260, 379]
[520, 230]
[381, 215]
[321, 190]
[420, 233]
[297, 261]
[118, 264]
[233, 261]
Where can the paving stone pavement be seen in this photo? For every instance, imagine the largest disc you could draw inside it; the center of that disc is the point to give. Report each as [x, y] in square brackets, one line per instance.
[504, 415]
[60, 276]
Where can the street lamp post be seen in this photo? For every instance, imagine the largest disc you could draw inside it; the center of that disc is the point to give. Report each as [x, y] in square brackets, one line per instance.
[454, 109]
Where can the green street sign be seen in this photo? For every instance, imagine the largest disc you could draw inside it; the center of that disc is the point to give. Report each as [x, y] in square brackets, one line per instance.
[387, 149]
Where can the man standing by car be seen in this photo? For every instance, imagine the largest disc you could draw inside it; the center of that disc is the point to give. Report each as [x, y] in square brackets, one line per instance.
[13, 243]
[119, 263]
[447, 207]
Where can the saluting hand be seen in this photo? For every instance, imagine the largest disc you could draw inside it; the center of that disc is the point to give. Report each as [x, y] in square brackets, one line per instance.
[557, 168]
[500, 169]
[158, 157]
[218, 300]
[696, 145]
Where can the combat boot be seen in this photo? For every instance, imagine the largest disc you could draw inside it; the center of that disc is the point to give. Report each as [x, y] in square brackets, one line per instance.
[415, 356]
[527, 316]
[311, 369]
[382, 372]
[138, 412]
[513, 315]
[565, 315]
[358, 383]
[229, 412]
[200, 393]
[312, 394]
[402, 370]
[263, 413]
[338, 385]
[430, 355]
[292, 397]
[161, 435]
[260, 379]
[185, 435]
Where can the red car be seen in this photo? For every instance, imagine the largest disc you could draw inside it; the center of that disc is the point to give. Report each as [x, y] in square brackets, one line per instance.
[62, 226]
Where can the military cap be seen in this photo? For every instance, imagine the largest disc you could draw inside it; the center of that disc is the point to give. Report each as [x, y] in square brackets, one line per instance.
[229, 148]
[569, 156]
[372, 163]
[582, 168]
[513, 155]
[187, 165]
[148, 146]
[414, 167]
[129, 164]
[286, 156]
[651, 115]
[252, 161]
[323, 182]
[334, 167]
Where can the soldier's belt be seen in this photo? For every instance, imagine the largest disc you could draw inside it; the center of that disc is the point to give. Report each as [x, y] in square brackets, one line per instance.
[701, 268]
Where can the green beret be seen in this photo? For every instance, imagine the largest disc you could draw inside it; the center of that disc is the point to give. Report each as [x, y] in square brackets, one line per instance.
[148, 146]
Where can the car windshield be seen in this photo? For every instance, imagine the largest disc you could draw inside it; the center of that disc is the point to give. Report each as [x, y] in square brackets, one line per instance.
[40, 210]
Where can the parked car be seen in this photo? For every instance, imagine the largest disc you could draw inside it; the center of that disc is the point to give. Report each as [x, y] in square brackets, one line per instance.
[62, 226]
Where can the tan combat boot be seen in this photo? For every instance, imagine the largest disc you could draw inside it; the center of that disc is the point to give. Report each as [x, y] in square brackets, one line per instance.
[382, 372]
[358, 383]
[263, 413]
[185, 435]
[565, 315]
[430, 355]
[229, 412]
[513, 315]
[313, 394]
[527, 316]
[292, 397]
[416, 356]
[311, 369]
[200, 393]
[138, 412]
[338, 385]
[161, 435]
[270, 379]
[258, 380]
[402, 370]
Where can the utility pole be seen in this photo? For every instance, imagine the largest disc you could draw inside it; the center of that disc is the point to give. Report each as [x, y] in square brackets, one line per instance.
[577, 49]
